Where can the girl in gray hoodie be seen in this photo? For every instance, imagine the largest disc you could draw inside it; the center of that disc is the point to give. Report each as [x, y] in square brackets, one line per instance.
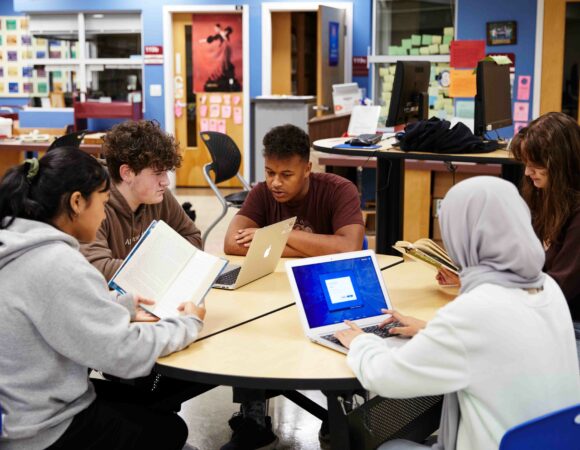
[58, 320]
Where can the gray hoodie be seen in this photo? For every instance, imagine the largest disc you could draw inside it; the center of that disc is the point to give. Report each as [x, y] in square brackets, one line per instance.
[57, 320]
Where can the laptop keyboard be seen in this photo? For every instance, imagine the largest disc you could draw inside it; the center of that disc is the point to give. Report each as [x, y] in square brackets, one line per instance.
[228, 278]
[373, 329]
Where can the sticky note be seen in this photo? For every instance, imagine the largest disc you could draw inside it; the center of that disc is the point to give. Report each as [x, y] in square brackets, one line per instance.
[424, 51]
[466, 54]
[448, 31]
[447, 39]
[521, 111]
[416, 40]
[406, 43]
[237, 114]
[221, 126]
[462, 83]
[444, 49]
[434, 49]
[226, 111]
[426, 39]
[414, 51]
[436, 39]
[523, 89]
[214, 110]
[465, 109]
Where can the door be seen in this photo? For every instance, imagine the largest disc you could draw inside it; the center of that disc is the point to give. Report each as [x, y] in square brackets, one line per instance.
[555, 84]
[208, 93]
[330, 63]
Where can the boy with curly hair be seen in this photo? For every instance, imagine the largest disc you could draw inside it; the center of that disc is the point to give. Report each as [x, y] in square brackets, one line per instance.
[139, 155]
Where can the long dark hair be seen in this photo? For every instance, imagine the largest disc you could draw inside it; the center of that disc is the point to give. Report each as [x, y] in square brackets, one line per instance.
[552, 142]
[40, 190]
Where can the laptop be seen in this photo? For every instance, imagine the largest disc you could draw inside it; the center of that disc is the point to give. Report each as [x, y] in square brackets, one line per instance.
[262, 258]
[334, 288]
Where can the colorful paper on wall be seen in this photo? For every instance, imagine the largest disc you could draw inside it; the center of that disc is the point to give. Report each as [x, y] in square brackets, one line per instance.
[518, 126]
[466, 54]
[202, 110]
[214, 110]
[226, 111]
[462, 83]
[465, 109]
[521, 111]
[221, 126]
[212, 125]
[203, 125]
[523, 90]
[238, 115]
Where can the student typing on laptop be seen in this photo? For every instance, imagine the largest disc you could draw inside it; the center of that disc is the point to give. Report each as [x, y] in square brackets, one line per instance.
[328, 220]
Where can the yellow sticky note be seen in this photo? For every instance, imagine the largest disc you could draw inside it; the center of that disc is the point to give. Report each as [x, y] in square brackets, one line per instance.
[448, 31]
[462, 83]
[436, 39]
[424, 51]
[444, 49]
[434, 49]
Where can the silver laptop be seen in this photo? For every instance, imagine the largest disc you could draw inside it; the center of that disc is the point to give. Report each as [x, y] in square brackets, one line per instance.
[262, 258]
[334, 288]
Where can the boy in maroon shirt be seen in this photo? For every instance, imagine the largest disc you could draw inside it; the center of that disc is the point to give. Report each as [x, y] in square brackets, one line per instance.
[327, 207]
[329, 220]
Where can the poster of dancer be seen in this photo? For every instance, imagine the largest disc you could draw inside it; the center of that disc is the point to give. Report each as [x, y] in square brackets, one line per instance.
[217, 52]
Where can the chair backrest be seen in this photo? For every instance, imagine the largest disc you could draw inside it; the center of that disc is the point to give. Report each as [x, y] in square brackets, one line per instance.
[559, 430]
[68, 140]
[225, 155]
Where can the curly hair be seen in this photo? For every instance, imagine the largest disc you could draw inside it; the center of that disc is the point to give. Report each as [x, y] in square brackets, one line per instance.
[140, 144]
[285, 141]
[552, 142]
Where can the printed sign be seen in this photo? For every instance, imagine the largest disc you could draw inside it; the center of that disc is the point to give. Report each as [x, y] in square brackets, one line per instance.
[333, 50]
[153, 54]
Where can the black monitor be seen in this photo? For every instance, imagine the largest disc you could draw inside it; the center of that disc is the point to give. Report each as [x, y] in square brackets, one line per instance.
[410, 100]
[493, 101]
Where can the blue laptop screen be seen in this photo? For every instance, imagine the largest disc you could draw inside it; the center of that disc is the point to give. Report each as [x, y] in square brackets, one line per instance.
[335, 291]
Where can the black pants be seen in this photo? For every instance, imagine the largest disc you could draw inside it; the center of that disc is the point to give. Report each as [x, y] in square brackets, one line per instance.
[123, 418]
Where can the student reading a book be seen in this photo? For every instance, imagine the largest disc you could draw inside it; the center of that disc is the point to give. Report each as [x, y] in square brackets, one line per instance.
[550, 149]
[329, 220]
[139, 155]
[327, 207]
[59, 319]
[503, 351]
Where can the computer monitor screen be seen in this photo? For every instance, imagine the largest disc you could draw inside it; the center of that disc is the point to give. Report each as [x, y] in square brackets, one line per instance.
[493, 101]
[410, 99]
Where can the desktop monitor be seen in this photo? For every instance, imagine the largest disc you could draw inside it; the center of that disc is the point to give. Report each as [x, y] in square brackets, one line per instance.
[493, 101]
[410, 99]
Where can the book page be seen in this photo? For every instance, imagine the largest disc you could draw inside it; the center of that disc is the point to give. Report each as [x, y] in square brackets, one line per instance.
[192, 283]
[154, 266]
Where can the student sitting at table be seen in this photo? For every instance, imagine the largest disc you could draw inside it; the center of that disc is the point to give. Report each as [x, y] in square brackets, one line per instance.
[550, 149]
[139, 155]
[329, 220]
[59, 319]
[327, 207]
[503, 351]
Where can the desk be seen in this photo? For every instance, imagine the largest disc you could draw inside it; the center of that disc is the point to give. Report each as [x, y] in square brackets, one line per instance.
[242, 356]
[12, 151]
[391, 180]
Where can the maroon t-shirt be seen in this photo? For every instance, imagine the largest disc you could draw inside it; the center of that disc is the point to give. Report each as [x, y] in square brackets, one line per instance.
[331, 203]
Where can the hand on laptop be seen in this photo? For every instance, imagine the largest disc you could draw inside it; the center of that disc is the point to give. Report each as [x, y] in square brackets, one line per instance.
[410, 325]
[346, 336]
[244, 236]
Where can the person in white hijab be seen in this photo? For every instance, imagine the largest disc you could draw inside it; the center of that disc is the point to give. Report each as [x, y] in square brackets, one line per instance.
[503, 351]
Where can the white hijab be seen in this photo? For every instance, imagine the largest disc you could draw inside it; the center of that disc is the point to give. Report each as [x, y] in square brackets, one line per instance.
[487, 230]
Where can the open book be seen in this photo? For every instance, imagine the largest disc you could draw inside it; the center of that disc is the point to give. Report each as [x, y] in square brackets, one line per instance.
[427, 251]
[163, 266]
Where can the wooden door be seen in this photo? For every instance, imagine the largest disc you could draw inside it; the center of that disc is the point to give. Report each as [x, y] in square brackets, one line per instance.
[192, 108]
[330, 63]
[553, 55]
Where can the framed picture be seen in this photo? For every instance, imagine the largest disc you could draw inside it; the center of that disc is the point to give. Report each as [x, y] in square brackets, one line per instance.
[501, 33]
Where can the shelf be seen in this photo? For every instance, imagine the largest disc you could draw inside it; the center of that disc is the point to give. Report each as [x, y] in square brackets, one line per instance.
[377, 59]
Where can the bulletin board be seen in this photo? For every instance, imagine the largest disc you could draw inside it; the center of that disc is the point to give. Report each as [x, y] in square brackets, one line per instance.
[18, 78]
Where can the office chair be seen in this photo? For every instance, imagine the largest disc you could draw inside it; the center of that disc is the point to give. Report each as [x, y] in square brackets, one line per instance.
[68, 140]
[226, 160]
[559, 430]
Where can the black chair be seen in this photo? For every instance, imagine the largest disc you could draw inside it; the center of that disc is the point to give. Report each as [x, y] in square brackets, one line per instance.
[225, 165]
[68, 140]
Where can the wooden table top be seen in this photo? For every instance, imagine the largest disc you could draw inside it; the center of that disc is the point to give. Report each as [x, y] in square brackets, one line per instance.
[272, 351]
[20, 146]
[387, 150]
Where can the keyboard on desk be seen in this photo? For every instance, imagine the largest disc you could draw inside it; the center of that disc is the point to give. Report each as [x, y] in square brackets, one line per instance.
[228, 278]
[373, 329]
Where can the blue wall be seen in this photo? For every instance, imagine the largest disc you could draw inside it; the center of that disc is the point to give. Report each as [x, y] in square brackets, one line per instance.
[153, 34]
[472, 16]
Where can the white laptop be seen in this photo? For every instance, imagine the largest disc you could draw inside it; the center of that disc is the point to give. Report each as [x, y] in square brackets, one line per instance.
[334, 288]
[262, 258]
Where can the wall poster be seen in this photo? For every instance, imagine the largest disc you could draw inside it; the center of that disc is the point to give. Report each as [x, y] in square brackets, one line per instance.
[217, 52]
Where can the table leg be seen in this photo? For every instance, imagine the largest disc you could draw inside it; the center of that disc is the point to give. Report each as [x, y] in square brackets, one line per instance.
[337, 423]
[389, 210]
